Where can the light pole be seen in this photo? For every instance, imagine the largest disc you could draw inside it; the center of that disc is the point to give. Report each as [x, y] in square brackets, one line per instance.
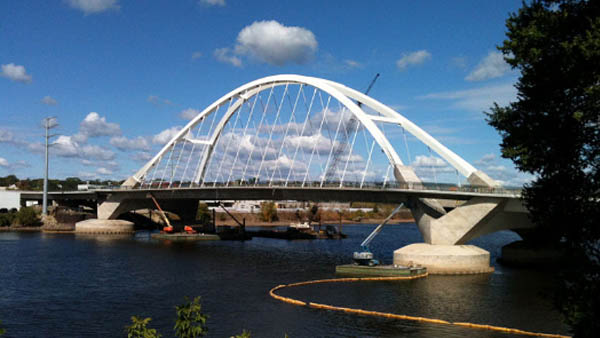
[47, 125]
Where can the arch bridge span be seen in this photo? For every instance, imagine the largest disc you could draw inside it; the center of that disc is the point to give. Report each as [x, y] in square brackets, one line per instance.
[300, 132]
[292, 128]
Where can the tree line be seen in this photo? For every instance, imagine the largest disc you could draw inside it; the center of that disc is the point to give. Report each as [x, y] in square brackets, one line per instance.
[37, 184]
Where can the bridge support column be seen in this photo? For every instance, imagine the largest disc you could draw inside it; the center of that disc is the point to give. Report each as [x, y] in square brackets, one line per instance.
[115, 205]
[444, 250]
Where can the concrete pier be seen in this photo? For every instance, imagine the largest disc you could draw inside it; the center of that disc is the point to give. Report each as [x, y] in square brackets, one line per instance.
[104, 226]
[445, 259]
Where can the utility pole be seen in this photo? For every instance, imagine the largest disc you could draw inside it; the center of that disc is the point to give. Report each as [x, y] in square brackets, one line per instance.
[47, 126]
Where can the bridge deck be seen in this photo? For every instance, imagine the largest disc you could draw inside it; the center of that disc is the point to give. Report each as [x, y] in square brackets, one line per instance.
[388, 195]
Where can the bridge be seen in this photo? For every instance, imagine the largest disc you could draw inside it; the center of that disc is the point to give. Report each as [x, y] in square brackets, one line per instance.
[292, 137]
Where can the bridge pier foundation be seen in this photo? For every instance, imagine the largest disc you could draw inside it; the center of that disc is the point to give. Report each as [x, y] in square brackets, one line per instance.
[445, 259]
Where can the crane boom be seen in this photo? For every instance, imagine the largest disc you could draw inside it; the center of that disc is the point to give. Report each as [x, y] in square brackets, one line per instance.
[369, 87]
[339, 150]
[365, 243]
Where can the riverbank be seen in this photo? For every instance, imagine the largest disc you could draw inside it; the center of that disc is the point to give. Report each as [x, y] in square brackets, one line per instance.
[229, 223]
[257, 223]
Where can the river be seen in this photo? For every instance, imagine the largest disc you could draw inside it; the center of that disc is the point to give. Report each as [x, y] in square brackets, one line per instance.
[66, 285]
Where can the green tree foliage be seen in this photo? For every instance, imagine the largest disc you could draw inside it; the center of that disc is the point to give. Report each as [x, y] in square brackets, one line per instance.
[203, 215]
[553, 132]
[139, 329]
[8, 180]
[268, 212]
[7, 219]
[190, 322]
[244, 334]
[27, 216]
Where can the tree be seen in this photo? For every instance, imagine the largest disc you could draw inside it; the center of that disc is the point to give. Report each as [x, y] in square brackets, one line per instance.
[203, 215]
[553, 132]
[268, 211]
[190, 322]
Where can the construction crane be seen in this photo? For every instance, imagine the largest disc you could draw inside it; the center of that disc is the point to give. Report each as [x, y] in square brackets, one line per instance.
[369, 87]
[365, 257]
[341, 147]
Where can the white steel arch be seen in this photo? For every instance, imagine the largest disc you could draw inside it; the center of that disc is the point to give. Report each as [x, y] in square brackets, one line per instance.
[346, 96]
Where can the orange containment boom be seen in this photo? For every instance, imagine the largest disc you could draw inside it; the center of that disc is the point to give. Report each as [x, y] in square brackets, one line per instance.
[189, 229]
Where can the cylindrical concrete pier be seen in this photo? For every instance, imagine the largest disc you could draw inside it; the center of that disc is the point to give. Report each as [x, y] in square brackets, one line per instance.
[445, 259]
[105, 227]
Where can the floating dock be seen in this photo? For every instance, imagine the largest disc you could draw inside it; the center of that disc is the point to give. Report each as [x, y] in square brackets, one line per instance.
[182, 237]
[355, 270]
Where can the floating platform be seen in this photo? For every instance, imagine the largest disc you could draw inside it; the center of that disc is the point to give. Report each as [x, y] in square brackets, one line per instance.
[182, 237]
[355, 270]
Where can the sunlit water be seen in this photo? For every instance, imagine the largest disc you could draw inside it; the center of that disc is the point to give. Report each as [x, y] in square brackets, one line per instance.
[54, 285]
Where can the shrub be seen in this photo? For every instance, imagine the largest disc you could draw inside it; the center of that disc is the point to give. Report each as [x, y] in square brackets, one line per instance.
[190, 322]
[27, 216]
[138, 329]
[6, 219]
[268, 212]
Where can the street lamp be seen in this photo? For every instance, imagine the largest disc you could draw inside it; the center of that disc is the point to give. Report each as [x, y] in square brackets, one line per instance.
[49, 123]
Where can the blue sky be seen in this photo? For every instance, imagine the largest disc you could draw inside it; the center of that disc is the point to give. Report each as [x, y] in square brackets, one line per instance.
[117, 73]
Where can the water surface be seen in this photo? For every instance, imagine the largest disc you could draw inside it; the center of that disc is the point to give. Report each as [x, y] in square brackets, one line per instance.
[58, 285]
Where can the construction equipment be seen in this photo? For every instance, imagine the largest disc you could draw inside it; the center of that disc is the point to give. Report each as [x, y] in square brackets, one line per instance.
[169, 228]
[343, 143]
[188, 229]
[365, 257]
[369, 87]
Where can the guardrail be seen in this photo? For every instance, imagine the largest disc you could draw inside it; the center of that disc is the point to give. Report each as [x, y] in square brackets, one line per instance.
[417, 186]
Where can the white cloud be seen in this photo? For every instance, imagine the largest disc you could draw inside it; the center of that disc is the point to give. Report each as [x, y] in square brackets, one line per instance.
[188, 114]
[142, 156]
[276, 44]
[352, 64]
[158, 101]
[67, 146]
[486, 159]
[166, 135]
[124, 144]
[96, 152]
[224, 55]
[49, 100]
[94, 126]
[15, 73]
[93, 6]
[429, 161]
[6, 136]
[478, 99]
[307, 143]
[196, 55]
[213, 2]
[15, 165]
[413, 59]
[492, 66]
[459, 62]
[104, 171]
[430, 168]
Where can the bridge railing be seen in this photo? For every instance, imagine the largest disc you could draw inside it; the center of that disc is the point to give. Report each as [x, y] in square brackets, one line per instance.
[420, 186]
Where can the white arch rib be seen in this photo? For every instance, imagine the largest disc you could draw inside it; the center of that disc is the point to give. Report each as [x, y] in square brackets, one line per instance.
[343, 94]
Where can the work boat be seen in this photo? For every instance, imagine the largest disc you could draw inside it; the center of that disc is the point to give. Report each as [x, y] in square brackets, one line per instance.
[304, 226]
